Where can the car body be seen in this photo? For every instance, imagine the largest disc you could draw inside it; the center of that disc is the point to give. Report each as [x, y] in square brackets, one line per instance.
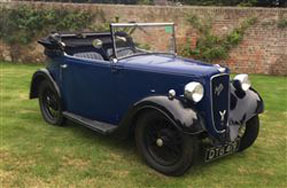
[109, 94]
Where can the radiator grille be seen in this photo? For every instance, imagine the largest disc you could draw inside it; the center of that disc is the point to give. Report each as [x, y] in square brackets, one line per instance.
[220, 101]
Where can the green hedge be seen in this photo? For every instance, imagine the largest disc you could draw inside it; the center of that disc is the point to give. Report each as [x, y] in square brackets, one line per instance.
[256, 3]
[20, 25]
[259, 3]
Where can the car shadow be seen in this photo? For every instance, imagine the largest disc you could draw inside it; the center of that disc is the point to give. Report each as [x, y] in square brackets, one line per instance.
[128, 146]
[108, 140]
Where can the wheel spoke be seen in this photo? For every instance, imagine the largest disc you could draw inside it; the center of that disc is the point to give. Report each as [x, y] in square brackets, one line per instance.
[51, 104]
[173, 147]
[172, 152]
[163, 142]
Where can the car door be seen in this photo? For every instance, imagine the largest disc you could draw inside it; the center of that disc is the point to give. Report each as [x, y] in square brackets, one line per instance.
[88, 89]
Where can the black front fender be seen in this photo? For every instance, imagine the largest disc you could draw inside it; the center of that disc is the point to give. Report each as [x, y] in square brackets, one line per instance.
[182, 115]
[38, 77]
[244, 105]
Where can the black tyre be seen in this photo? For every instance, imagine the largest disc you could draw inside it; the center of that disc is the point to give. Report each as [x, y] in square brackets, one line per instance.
[163, 146]
[250, 133]
[50, 104]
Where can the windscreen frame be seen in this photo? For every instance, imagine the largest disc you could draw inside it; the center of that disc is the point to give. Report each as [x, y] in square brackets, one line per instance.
[113, 26]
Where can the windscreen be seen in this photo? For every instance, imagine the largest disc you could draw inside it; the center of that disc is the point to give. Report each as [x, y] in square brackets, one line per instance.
[136, 39]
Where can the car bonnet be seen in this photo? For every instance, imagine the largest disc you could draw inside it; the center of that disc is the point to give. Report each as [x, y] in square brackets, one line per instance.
[171, 64]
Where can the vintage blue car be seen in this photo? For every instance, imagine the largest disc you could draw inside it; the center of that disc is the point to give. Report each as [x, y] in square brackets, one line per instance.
[130, 82]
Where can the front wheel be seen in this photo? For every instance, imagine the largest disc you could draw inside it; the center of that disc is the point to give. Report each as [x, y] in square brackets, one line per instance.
[50, 104]
[250, 133]
[162, 145]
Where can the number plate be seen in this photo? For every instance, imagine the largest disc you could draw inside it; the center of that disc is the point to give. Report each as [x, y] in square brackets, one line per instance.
[220, 151]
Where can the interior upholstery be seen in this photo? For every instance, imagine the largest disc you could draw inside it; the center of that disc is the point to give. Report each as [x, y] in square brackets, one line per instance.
[89, 55]
[83, 45]
[124, 51]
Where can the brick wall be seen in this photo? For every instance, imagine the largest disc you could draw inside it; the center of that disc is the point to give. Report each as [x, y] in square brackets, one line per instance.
[263, 49]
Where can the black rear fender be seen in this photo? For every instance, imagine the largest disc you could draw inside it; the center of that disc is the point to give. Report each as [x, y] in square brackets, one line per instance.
[38, 77]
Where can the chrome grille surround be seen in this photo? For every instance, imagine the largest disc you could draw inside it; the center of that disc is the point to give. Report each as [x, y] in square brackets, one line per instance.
[226, 105]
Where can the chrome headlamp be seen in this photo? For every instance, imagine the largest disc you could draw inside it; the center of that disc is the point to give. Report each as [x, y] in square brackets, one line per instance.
[243, 81]
[194, 91]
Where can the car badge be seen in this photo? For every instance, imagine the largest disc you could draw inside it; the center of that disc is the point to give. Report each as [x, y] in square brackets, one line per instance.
[220, 68]
[222, 115]
[218, 89]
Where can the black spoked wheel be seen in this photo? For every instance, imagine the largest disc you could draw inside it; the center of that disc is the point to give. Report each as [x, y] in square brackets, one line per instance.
[50, 104]
[162, 145]
[163, 142]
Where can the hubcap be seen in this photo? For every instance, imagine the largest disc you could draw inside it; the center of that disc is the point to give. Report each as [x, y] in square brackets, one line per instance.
[159, 142]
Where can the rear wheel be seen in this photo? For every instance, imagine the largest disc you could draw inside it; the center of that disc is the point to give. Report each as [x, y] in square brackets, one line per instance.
[50, 104]
[162, 145]
[250, 133]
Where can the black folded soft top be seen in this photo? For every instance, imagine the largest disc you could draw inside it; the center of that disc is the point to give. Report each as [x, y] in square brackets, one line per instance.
[71, 43]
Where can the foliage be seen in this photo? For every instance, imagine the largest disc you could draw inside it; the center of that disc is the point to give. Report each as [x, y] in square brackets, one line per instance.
[263, 3]
[210, 47]
[260, 3]
[248, 3]
[282, 24]
[22, 24]
[144, 46]
[145, 2]
[104, 1]
[35, 154]
[224, 2]
[272, 3]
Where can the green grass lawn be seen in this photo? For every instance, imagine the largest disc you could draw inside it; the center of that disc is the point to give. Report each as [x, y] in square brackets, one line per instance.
[33, 153]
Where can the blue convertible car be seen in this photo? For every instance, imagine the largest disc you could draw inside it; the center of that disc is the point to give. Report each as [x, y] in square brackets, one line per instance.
[129, 81]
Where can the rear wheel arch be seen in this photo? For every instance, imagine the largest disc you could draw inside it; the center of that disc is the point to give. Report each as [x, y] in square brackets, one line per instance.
[35, 86]
[37, 79]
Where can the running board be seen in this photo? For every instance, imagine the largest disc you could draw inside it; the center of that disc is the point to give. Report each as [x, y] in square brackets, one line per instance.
[101, 127]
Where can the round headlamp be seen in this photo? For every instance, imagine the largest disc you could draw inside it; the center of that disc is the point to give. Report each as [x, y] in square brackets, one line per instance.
[243, 81]
[194, 91]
